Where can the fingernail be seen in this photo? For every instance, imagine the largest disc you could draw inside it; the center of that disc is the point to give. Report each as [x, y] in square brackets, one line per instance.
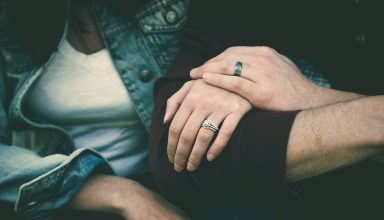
[165, 118]
[192, 72]
[178, 168]
[190, 167]
[170, 157]
[210, 157]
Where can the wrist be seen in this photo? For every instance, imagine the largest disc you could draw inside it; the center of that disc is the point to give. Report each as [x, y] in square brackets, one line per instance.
[321, 96]
[102, 193]
[313, 96]
[127, 199]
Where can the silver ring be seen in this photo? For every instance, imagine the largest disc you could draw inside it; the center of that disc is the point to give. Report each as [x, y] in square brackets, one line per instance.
[238, 68]
[208, 124]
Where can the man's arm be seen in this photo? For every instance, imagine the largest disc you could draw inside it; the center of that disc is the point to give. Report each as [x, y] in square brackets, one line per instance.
[131, 200]
[333, 136]
[335, 129]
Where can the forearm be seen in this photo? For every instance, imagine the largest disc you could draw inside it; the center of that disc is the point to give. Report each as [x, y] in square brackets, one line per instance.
[323, 96]
[125, 197]
[333, 136]
[102, 193]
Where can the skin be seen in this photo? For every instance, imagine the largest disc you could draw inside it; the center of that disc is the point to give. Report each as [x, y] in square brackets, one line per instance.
[335, 128]
[124, 197]
[186, 123]
[92, 38]
[333, 136]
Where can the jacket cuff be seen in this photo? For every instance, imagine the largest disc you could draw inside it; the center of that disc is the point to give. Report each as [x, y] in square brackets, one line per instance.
[42, 197]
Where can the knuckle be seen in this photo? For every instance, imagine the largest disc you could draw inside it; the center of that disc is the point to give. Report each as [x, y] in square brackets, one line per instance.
[264, 60]
[227, 67]
[204, 136]
[237, 85]
[174, 131]
[204, 102]
[186, 139]
[266, 50]
[226, 134]
[180, 159]
[230, 50]
[187, 136]
[191, 98]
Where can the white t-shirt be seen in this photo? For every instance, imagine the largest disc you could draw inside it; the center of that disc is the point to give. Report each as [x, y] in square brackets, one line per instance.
[85, 95]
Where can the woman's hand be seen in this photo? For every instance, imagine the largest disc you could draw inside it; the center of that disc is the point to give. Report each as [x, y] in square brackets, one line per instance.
[131, 200]
[268, 79]
[195, 102]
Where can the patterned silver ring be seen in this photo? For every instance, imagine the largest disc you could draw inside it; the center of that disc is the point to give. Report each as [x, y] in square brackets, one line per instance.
[208, 124]
[238, 68]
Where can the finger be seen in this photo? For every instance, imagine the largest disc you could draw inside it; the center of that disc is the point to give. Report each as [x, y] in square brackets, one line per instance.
[203, 141]
[225, 133]
[176, 128]
[243, 87]
[226, 67]
[187, 138]
[225, 62]
[234, 54]
[174, 102]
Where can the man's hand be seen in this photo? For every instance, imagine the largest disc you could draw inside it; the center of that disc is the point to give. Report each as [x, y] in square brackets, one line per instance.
[195, 102]
[268, 80]
[124, 197]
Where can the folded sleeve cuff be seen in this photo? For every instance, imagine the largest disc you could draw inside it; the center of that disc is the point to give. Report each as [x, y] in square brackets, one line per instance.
[262, 139]
[43, 196]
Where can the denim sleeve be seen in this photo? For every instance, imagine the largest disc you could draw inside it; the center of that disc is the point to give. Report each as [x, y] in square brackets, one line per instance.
[39, 186]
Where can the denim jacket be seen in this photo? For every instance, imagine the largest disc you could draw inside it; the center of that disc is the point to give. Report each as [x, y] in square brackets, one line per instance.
[39, 172]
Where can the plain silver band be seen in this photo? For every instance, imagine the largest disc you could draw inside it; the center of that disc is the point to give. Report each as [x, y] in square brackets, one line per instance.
[208, 124]
[238, 68]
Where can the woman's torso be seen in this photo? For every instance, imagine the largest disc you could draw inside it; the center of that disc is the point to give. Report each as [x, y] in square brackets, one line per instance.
[141, 47]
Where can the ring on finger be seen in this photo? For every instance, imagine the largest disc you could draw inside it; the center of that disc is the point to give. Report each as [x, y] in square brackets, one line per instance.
[208, 124]
[238, 68]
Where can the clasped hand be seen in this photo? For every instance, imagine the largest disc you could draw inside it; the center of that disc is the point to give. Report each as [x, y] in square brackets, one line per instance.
[268, 81]
[195, 102]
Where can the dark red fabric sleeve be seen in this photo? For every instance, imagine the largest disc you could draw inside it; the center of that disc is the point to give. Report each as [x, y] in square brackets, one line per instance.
[253, 160]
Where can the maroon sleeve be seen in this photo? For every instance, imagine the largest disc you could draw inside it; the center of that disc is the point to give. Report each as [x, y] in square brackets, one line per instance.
[253, 160]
